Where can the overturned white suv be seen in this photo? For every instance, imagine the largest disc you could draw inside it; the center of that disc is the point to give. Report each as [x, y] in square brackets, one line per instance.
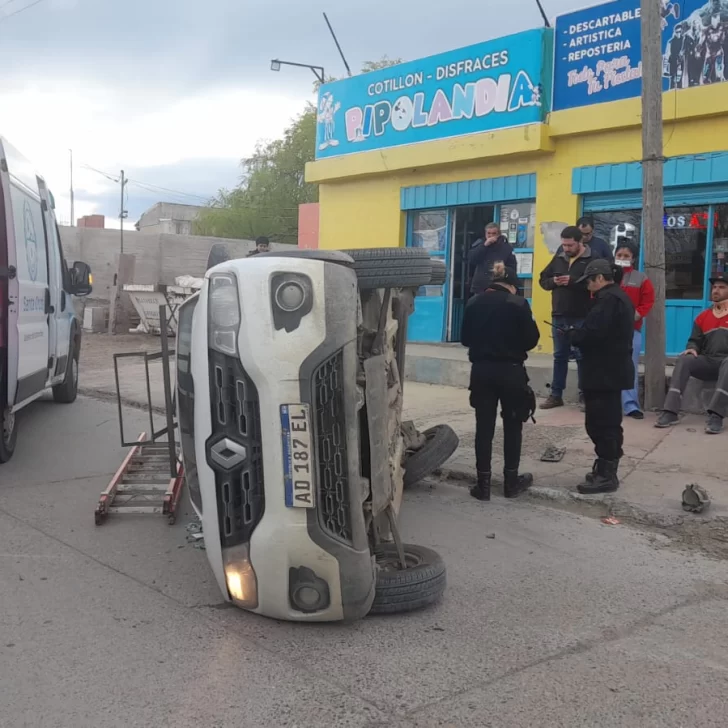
[290, 370]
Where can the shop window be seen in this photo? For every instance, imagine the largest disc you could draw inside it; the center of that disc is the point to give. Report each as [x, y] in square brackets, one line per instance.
[720, 239]
[429, 231]
[518, 223]
[686, 237]
[618, 226]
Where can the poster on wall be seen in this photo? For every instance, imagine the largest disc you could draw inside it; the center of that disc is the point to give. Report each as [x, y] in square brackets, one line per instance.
[598, 56]
[492, 85]
[518, 223]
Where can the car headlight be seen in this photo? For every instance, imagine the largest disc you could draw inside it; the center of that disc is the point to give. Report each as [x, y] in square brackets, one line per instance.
[242, 584]
[223, 313]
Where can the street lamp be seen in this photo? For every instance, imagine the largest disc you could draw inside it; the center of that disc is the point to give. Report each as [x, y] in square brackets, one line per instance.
[318, 71]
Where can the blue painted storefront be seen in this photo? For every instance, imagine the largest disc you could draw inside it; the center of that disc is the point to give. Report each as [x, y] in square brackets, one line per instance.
[438, 316]
[691, 182]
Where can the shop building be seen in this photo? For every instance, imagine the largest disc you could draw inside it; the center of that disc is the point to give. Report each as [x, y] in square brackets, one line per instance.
[530, 131]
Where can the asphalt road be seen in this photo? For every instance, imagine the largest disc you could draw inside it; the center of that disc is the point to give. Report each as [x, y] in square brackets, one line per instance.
[557, 621]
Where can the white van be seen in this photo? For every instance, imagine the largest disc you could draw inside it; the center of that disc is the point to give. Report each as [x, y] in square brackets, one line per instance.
[40, 332]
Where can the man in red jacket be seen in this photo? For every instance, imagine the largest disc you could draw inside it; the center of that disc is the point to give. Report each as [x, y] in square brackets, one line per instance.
[705, 358]
[642, 294]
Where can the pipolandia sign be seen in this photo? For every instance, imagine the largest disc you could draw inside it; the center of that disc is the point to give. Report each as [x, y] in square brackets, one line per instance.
[492, 85]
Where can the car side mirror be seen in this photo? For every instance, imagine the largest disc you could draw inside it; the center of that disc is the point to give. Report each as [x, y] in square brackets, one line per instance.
[80, 279]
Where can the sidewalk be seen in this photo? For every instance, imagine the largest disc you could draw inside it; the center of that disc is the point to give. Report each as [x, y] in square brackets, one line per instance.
[658, 464]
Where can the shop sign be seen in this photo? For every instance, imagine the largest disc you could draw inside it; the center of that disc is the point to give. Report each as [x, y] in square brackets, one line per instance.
[492, 85]
[598, 54]
[688, 221]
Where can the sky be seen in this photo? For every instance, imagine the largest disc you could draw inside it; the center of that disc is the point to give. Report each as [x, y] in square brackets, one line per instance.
[177, 92]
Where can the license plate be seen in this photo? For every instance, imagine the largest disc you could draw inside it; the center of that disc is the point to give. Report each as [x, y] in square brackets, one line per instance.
[298, 469]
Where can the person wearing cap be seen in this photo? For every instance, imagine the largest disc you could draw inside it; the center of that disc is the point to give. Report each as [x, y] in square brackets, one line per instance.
[499, 331]
[570, 302]
[262, 245]
[605, 342]
[642, 294]
[705, 358]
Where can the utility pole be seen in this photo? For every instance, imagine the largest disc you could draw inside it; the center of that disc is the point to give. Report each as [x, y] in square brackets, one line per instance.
[122, 211]
[653, 201]
[73, 216]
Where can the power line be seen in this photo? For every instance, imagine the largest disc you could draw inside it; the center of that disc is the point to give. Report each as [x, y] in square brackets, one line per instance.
[19, 10]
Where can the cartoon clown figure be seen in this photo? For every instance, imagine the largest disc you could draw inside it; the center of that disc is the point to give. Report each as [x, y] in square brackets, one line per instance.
[668, 8]
[326, 112]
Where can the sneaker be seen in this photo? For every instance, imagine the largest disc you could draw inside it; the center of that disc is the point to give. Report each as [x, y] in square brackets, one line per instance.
[552, 402]
[714, 424]
[636, 415]
[666, 419]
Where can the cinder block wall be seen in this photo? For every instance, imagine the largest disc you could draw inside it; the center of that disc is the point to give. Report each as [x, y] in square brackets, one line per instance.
[160, 258]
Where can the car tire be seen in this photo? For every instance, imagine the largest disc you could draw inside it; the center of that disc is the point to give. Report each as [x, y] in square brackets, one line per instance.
[441, 442]
[399, 590]
[8, 435]
[391, 267]
[439, 272]
[67, 391]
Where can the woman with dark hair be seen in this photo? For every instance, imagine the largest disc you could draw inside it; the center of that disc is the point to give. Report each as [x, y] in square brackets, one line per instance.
[642, 294]
[605, 341]
[499, 330]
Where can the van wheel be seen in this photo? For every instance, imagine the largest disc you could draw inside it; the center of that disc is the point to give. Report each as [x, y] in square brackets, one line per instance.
[440, 443]
[421, 584]
[67, 390]
[8, 436]
[391, 267]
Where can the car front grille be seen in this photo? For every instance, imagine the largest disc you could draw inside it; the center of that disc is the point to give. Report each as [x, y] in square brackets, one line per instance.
[330, 430]
[234, 451]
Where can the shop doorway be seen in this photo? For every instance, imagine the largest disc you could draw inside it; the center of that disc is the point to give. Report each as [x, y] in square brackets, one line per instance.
[468, 225]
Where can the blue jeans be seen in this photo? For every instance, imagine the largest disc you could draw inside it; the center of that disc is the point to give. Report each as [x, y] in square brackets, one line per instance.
[563, 351]
[631, 397]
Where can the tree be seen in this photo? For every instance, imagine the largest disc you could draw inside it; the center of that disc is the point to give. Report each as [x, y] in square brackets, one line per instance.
[273, 184]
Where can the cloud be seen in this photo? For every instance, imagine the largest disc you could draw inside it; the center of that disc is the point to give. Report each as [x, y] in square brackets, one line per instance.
[176, 92]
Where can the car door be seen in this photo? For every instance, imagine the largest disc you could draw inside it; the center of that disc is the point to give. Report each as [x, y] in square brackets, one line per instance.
[60, 314]
[29, 302]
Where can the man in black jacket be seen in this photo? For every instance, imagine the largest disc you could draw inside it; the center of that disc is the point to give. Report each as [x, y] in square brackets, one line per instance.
[605, 341]
[499, 330]
[484, 253]
[570, 301]
[600, 248]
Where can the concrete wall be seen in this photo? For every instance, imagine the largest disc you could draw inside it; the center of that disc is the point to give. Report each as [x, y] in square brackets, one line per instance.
[159, 258]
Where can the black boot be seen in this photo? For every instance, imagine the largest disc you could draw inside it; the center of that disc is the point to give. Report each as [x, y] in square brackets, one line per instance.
[514, 484]
[605, 479]
[481, 491]
[589, 478]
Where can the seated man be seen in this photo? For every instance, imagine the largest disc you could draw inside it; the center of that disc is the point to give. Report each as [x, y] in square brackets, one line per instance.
[706, 358]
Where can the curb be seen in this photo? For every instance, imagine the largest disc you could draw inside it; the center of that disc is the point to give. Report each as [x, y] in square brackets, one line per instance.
[705, 532]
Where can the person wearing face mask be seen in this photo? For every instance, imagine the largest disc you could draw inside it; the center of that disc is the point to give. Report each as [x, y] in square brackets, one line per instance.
[641, 292]
[605, 342]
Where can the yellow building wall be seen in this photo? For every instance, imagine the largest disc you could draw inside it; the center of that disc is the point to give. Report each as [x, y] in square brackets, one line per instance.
[360, 193]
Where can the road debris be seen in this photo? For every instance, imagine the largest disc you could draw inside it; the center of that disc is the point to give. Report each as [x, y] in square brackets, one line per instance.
[553, 454]
[611, 521]
[695, 498]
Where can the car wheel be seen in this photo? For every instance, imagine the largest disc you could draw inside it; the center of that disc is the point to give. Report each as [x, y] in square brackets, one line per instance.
[439, 272]
[399, 590]
[440, 443]
[8, 435]
[391, 267]
[67, 391]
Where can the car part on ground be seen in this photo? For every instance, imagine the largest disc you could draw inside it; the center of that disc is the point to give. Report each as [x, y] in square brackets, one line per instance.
[440, 443]
[695, 498]
[391, 267]
[399, 590]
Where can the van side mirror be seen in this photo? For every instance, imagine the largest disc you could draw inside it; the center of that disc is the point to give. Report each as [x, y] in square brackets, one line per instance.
[80, 279]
